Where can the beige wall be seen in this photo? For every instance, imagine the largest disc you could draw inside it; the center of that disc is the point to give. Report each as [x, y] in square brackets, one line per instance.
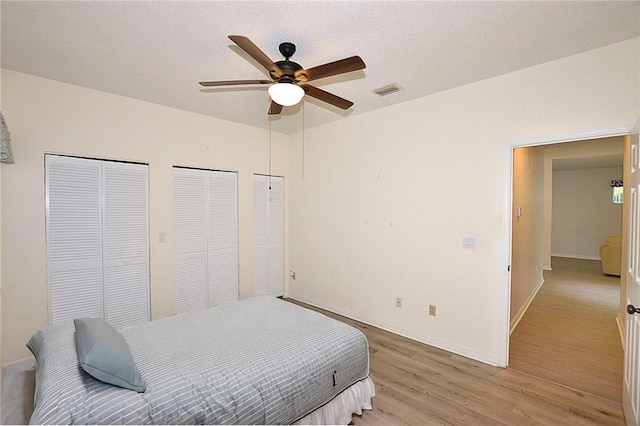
[526, 230]
[1, 266]
[388, 196]
[583, 212]
[1, 290]
[386, 199]
[598, 147]
[52, 117]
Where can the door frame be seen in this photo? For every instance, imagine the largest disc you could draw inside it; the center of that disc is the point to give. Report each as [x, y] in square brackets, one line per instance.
[507, 223]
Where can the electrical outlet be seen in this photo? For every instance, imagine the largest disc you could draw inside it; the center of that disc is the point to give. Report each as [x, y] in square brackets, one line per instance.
[432, 310]
[292, 274]
[398, 302]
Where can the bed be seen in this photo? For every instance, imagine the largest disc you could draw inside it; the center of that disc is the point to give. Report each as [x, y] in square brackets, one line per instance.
[256, 361]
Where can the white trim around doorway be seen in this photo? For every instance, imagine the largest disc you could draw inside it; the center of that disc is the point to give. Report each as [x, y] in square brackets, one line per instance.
[509, 146]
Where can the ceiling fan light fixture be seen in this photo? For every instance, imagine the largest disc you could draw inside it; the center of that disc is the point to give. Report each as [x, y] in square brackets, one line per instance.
[286, 94]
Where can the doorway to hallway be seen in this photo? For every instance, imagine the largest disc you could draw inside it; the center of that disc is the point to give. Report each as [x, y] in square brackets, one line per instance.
[569, 334]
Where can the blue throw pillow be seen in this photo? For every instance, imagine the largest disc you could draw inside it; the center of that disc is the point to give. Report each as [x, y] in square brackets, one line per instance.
[105, 355]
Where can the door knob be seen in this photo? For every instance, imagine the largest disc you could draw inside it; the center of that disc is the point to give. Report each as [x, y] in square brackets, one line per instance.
[632, 310]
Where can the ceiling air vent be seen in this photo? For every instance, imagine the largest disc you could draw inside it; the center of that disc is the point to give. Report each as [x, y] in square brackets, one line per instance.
[387, 90]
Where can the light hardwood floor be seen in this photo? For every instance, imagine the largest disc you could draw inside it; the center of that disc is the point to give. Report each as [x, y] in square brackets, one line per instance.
[569, 333]
[420, 384]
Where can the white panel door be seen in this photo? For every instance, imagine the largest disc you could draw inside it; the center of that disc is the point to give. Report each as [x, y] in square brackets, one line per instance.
[268, 235]
[631, 386]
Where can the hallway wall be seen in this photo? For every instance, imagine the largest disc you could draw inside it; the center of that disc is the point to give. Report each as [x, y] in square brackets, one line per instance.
[527, 229]
[583, 212]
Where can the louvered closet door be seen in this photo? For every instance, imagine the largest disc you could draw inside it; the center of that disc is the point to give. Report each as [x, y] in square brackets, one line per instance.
[97, 240]
[223, 237]
[126, 243]
[276, 237]
[260, 236]
[268, 235]
[189, 239]
[74, 239]
[205, 238]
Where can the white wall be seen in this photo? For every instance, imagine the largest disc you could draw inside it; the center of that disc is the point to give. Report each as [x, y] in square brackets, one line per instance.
[583, 214]
[52, 117]
[527, 229]
[387, 196]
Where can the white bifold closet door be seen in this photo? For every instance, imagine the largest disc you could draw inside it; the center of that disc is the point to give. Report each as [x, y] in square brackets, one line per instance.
[205, 238]
[268, 235]
[97, 240]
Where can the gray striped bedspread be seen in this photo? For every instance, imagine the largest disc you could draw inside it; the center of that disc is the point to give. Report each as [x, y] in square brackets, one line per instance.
[256, 361]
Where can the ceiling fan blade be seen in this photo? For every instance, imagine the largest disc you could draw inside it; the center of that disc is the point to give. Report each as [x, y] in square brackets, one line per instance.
[233, 82]
[254, 51]
[342, 66]
[327, 97]
[274, 108]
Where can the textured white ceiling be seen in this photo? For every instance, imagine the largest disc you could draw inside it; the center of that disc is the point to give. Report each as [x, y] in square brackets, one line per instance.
[158, 50]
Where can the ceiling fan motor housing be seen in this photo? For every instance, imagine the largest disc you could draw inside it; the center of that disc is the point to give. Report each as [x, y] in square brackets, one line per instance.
[288, 67]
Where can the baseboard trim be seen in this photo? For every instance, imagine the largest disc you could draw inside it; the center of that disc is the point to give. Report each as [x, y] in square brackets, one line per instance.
[441, 344]
[516, 320]
[322, 305]
[576, 256]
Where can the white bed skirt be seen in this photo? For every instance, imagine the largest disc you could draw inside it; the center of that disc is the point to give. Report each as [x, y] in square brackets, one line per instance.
[340, 409]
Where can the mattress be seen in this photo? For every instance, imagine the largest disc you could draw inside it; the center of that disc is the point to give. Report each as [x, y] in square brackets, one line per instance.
[255, 361]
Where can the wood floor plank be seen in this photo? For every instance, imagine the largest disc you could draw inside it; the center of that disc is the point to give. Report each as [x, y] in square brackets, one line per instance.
[419, 384]
[569, 333]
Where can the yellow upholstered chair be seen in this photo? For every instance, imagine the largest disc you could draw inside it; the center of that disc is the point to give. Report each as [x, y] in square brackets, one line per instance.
[610, 255]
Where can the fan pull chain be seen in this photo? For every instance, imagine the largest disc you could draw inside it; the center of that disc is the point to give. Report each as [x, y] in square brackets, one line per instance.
[303, 141]
[269, 158]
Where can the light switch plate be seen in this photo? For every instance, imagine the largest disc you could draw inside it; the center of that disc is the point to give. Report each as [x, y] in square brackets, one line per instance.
[469, 242]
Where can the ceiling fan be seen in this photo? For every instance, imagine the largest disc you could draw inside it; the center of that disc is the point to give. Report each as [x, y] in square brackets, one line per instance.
[286, 75]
